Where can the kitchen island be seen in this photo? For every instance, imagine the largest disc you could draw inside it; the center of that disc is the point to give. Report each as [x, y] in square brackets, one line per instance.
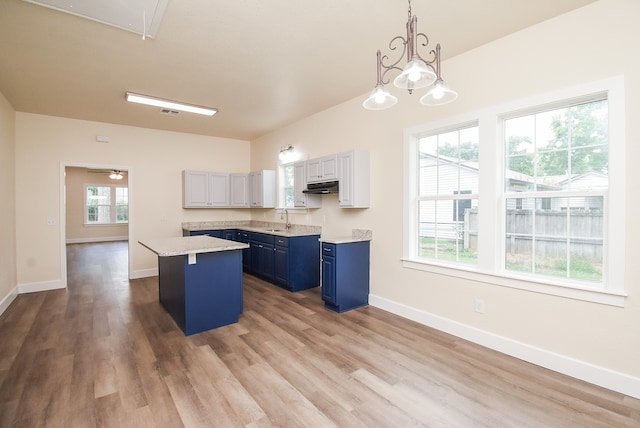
[200, 280]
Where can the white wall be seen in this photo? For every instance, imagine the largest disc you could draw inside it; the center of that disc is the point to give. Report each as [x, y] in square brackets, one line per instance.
[7, 207]
[154, 161]
[592, 43]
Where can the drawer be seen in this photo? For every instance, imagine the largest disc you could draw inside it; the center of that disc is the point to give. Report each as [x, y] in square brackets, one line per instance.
[262, 237]
[328, 249]
[282, 242]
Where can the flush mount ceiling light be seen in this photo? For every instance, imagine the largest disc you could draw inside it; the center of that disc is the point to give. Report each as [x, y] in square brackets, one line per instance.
[173, 105]
[417, 73]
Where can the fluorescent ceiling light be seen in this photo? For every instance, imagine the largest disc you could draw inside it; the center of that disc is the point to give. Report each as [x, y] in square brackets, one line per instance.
[158, 102]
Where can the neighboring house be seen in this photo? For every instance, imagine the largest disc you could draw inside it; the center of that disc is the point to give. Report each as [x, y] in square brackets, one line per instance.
[443, 175]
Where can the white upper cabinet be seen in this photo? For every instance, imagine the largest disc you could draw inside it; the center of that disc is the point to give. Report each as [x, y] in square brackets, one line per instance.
[353, 172]
[204, 189]
[303, 200]
[239, 191]
[263, 189]
[322, 169]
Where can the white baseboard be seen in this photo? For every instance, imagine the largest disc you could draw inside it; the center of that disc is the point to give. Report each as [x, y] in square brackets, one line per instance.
[89, 240]
[6, 301]
[597, 375]
[34, 287]
[144, 273]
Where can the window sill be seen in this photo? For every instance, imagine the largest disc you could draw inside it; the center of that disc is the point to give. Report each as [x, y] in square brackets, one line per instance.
[105, 224]
[570, 291]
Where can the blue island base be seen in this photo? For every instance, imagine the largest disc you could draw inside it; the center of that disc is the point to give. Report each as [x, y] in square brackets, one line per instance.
[204, 295]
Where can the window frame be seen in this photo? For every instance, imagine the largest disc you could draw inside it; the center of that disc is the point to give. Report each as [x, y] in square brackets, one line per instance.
[490, 268]
[113, 210]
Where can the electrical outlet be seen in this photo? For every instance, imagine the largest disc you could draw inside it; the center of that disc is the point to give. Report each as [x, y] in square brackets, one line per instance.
[479, 306]
[51, 222]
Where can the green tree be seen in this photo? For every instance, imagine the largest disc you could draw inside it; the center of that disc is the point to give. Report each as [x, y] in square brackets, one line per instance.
[465, 151]
[581, 137]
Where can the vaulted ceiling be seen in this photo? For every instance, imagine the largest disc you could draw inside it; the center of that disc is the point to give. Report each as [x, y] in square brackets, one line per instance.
[263, 64]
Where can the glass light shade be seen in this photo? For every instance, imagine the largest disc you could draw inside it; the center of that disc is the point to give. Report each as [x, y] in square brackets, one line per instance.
[416, 74]
[438, 95]
[379, 99]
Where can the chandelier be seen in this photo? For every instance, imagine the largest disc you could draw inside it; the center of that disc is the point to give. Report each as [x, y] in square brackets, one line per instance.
[417, 73]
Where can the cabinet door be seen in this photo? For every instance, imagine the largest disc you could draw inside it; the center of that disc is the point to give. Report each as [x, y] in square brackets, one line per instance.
[263, 189]
[299, 184]
[353, 173]
[196, 189]
[282, 265]
[218, 189]
[329, 168]
[314, 170]
[329, 279]
[322, 169]
[239, 190]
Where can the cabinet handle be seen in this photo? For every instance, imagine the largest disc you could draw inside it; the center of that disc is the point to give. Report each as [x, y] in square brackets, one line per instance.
[327, 249]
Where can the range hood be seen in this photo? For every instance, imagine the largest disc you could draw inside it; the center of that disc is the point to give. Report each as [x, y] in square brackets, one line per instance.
[322, 188]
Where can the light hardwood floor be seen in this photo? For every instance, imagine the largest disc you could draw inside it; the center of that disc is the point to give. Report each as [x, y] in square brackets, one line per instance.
[104, 353]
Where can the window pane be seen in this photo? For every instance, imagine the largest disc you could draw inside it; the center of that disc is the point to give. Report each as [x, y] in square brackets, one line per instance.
[442, 238]
[289, 198]
[560, 237]
[289, 175]
[551, 150]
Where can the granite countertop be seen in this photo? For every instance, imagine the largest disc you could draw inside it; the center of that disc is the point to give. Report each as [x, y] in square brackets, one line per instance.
[277, 229]
[357, 235]
[165, 247]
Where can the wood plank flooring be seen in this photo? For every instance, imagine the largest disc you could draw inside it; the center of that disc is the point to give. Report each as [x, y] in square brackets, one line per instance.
[103, 353]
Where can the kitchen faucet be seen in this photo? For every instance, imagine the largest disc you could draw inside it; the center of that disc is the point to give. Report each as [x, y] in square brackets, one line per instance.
[287, 225]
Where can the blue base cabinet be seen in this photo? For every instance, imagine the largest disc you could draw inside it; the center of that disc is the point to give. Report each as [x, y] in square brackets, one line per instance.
[345, 275]
[204, 295]
[292, 262]
[297, 262]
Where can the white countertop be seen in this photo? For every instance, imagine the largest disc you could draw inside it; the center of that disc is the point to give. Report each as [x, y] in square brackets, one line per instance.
[343, 239]
[357, 235]
[166, 247]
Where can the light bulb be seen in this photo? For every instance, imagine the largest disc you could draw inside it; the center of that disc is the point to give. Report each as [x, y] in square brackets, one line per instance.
[414, 73]
[379, 97]
[438, 92]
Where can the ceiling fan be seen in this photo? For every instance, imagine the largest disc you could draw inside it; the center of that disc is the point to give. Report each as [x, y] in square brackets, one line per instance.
[114, 174]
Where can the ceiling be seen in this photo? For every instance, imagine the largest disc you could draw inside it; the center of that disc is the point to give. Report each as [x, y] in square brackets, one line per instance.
[262, 64]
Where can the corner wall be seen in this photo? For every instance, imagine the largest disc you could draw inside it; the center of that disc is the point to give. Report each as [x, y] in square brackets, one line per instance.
[7, 207]
[595, 42]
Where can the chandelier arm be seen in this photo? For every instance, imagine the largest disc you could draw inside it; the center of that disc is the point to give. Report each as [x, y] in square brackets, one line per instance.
[393, 45]
[434, 53]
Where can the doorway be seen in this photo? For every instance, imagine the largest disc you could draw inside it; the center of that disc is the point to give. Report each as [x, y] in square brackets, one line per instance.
[95, 211]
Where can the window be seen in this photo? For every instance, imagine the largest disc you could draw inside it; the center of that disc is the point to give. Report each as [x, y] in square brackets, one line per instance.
[543, 179]
[448, 163]
[106, 204]
[286, 194]
[556, 180]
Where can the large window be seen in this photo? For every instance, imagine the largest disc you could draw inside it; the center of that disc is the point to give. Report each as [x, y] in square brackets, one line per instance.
[106, 204]
[556, 179]
[530, 194]
[448, 195]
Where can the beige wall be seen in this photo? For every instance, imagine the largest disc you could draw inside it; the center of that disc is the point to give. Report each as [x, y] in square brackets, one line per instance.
[76, 179]
[154, 161]
[593, 43]
[7, 207]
